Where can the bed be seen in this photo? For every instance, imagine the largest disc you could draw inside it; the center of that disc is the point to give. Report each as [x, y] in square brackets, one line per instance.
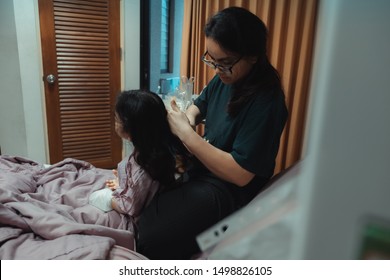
[44, 213]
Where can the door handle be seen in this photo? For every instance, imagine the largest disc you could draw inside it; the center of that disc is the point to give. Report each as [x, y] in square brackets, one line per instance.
[51, 79]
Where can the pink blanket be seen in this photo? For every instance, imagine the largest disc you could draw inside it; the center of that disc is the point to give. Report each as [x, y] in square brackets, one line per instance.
[44, 212]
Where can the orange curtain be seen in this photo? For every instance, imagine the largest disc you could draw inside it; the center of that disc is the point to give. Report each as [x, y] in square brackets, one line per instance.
[291, 26]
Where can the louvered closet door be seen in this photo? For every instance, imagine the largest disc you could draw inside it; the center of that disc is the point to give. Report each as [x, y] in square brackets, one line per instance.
[81, 61]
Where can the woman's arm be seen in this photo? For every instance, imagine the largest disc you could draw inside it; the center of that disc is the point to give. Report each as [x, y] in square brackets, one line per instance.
[193, 115]
[217, 161]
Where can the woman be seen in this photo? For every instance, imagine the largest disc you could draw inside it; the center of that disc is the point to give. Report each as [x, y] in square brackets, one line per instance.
[245, 114]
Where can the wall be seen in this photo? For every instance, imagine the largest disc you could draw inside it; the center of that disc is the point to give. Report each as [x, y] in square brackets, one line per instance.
[12, 120]
[131, 43]
[345, 180]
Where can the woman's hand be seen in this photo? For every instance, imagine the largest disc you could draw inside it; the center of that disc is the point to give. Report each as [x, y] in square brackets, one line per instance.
[178, 121]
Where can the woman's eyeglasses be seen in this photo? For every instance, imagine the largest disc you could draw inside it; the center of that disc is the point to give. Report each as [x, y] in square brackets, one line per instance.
[223, 68]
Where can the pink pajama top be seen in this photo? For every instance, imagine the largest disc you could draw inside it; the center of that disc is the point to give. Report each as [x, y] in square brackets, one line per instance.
[136, 187]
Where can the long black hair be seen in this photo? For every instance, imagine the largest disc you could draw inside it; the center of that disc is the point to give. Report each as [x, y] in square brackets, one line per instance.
[144, 117]
[239, 31]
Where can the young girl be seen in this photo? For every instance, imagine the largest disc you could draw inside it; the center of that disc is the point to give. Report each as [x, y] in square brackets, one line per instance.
[141, 117]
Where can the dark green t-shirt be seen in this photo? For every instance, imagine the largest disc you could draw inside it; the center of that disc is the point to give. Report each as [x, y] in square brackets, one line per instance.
[252, 137]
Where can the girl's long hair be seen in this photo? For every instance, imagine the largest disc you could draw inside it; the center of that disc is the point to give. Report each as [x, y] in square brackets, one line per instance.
[144, 117]
[239, 31]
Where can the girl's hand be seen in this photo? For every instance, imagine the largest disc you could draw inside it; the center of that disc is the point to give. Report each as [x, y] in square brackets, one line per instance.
[114, 183]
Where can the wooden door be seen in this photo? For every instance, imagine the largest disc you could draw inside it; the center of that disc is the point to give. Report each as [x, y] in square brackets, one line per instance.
[81, 53]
